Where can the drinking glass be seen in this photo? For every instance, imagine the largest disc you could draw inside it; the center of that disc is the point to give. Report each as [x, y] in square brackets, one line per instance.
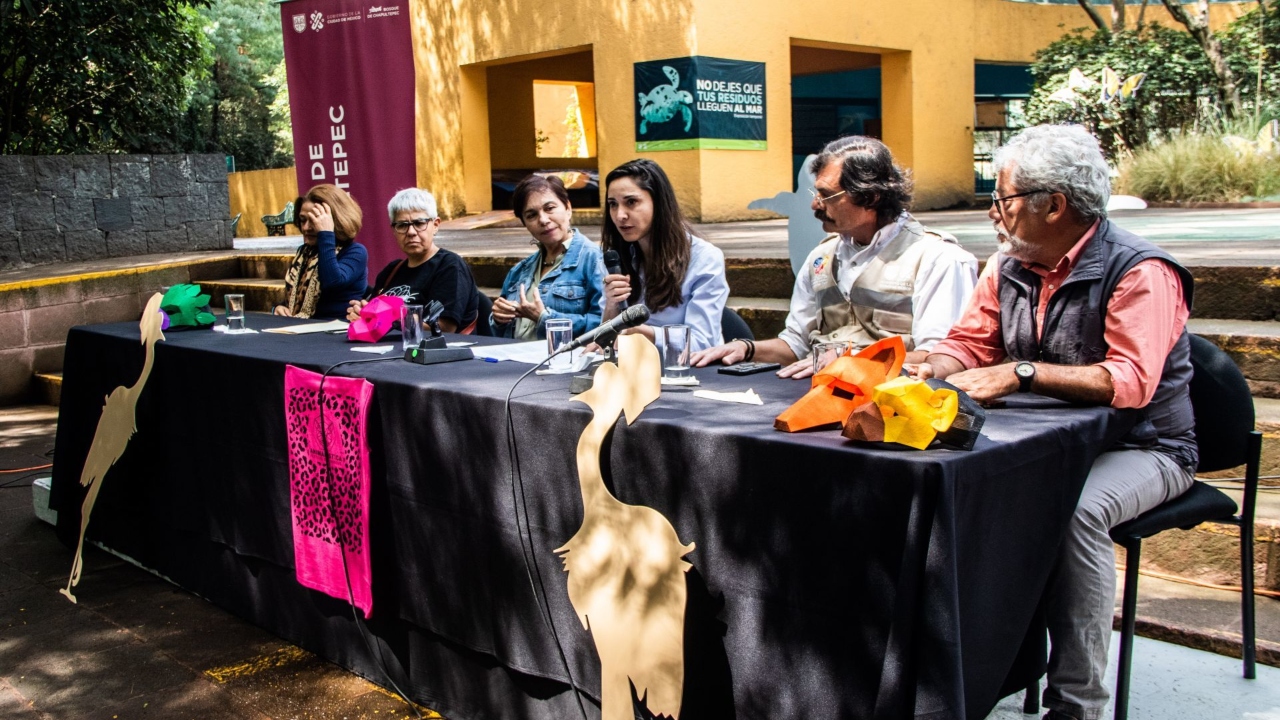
[825, 353]
[559, 334]
[235, 311]
[675, 351]
[411, 326]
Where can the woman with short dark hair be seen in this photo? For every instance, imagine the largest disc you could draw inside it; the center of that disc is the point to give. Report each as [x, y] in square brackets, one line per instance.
[329, 268]
[563, 279]
[679, 277]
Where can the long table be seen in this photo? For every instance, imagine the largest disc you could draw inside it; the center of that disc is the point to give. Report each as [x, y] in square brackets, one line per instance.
[831, 579]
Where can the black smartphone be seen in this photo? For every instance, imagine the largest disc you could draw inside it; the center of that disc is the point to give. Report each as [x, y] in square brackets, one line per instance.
[748, 368]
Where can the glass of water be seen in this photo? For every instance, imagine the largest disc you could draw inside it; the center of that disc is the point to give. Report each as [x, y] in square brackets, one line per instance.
[411, 326]
[825, 353]
[675, 351]
[559, 334]
[235, 311]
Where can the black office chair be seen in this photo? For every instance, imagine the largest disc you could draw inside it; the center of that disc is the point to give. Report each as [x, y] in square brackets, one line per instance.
[733, 327]
[485, 308]
[1225, 437]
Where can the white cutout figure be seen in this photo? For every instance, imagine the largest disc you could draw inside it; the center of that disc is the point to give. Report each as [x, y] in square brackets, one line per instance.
[804, 231]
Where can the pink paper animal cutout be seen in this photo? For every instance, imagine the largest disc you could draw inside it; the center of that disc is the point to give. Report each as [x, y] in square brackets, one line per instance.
[376, 319]
[330, 500]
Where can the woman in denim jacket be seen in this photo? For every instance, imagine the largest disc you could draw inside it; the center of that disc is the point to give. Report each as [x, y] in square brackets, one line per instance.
[563, 279]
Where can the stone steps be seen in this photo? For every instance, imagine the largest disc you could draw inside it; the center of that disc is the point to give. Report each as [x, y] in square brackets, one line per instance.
[260, 294]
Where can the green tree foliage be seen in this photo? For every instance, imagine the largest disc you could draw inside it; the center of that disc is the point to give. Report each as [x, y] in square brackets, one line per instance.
[1181, 91]
[96, 75]
[232, 106]
[1177, 76]
[1253, 43]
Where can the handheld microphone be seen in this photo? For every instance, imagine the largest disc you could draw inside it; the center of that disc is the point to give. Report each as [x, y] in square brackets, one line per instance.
[613, 264]
[608, 332]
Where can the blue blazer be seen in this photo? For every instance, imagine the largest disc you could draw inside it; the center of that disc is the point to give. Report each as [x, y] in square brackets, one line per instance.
[573, 291]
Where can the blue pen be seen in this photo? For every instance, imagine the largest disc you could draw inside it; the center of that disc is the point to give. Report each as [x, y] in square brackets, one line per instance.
[490, 359]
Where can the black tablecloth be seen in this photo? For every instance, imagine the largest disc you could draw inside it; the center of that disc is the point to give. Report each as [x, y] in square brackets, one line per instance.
[831, 579]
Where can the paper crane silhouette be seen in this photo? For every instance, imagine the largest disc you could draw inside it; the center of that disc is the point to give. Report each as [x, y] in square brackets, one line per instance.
[626, 572]
[116, 426]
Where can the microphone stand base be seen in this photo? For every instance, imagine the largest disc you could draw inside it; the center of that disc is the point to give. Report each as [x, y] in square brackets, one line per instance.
[582, 382]
[433, 351]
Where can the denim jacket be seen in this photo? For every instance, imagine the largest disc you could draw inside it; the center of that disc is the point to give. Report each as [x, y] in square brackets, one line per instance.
[572, 291]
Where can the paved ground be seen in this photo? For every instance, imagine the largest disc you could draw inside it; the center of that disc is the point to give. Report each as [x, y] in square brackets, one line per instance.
[136, 647]
[1195, 237]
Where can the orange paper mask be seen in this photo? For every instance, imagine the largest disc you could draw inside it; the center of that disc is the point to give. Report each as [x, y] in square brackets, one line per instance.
[843, 385]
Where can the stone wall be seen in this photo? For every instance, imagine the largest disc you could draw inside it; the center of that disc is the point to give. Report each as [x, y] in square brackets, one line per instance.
[60, 208]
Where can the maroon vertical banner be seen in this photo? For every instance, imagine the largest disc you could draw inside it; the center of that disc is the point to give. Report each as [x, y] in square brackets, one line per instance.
[351, 98]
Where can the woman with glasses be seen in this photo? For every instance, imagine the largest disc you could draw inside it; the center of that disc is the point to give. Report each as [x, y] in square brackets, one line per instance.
[329, 269]
[563, 279]
[427, 272]
[678, 276]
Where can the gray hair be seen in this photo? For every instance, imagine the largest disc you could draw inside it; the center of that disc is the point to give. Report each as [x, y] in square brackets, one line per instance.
[1060, 159]
[409, 200]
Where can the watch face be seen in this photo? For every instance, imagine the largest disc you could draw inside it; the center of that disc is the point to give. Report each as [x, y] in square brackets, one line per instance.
[1024, 369]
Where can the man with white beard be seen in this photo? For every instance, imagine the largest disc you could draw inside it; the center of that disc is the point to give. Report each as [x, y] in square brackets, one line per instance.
[1086, 312]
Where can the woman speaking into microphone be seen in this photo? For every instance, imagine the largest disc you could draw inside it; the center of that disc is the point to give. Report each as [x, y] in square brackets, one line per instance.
[678, 276]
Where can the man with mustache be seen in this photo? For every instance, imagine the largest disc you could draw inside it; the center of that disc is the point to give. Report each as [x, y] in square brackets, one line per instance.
[879, 273]
[1089, 313]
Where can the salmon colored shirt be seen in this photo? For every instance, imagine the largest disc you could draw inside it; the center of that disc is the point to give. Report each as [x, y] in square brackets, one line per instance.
[1145, 317]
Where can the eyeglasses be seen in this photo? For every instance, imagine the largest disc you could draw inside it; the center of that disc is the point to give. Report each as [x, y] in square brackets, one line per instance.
[824, 199]
[996, 199]
[420, 224]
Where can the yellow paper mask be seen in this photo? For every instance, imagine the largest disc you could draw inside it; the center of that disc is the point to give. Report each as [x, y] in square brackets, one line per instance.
[914, 413]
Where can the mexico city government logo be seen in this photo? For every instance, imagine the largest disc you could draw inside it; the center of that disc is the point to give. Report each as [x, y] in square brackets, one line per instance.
[299, 22]
[317, 21]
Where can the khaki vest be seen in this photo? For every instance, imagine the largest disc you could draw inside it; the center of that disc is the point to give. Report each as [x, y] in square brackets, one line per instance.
[879, 303]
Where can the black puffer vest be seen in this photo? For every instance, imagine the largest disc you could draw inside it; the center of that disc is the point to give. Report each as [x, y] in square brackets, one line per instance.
[1074, 326]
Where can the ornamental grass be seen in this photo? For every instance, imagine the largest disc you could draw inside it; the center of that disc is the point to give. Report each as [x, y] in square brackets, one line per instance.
[1200, 168]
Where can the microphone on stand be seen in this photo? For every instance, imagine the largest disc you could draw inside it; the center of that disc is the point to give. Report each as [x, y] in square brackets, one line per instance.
[608, 332]
[613, 264]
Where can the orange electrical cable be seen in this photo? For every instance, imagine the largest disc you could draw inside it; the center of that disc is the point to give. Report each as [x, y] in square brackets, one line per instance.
[37, 467]
[1199, 583]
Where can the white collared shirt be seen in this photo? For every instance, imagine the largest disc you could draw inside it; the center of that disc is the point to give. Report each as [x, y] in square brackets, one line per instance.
[942, 289]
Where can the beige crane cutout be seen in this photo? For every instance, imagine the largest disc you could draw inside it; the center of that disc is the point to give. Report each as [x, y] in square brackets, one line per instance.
[626, 572]
[115, 428]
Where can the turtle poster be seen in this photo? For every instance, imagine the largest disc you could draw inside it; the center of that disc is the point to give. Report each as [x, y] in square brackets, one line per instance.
[700, 103]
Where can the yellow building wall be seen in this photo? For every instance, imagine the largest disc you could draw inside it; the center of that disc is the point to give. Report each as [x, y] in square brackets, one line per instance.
[261, 192]
[511, 123]
[469, 56]
[1013, 32]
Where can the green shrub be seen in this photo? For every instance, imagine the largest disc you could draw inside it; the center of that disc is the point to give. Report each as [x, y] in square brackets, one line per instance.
[1199, 168]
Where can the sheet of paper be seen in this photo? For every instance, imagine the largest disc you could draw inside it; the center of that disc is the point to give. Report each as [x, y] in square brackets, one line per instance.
[462, 343]
[687, 381]
[307, 328]
[530, 353]
[374, 349]
[747, 397]
[242, 331]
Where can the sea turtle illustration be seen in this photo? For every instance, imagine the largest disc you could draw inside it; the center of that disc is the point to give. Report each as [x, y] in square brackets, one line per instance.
[662, 102]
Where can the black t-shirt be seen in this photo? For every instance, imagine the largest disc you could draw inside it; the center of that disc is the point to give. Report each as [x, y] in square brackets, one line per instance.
[445, 277]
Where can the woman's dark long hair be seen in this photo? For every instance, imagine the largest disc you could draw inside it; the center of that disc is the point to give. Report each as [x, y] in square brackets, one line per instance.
[669, 242]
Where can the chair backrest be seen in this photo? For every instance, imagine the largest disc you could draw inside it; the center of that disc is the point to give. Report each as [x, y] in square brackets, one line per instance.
[484, 308]
[1223, 406]
[733, 327]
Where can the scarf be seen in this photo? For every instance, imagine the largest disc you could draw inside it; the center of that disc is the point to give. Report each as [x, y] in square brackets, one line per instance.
[302, 282]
